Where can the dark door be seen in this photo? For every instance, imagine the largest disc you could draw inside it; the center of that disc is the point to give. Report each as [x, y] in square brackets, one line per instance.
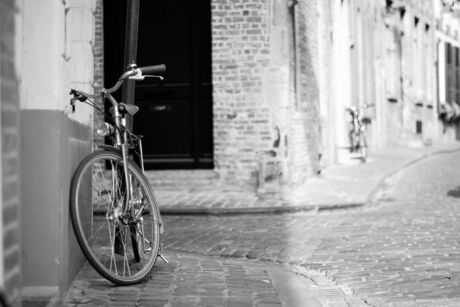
[176, 116]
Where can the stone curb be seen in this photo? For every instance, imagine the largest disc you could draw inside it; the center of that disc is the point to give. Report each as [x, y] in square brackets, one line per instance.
[413, 161]
[258, 210]
[302, 208]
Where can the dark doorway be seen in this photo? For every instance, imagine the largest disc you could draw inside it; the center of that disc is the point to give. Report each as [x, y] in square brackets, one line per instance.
[175, 117]
[418, 126]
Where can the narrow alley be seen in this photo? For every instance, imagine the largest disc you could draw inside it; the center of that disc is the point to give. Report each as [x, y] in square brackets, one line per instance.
[300, 152]
[400, 250]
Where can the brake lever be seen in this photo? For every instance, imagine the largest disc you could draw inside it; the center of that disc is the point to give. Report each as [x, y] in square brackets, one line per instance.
[137, 76]
[154, 76]
[142, 77]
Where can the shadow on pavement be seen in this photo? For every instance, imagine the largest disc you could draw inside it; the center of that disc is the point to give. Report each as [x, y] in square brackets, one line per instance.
[454, 193]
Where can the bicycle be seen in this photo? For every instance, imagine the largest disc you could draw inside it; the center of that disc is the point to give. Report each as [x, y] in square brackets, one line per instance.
[357, 136]
[113, 210]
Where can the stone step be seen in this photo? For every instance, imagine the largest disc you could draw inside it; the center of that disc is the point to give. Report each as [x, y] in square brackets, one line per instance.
[411, 140]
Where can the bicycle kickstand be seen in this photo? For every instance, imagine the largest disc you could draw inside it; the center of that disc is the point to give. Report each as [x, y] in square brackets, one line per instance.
[160, 255]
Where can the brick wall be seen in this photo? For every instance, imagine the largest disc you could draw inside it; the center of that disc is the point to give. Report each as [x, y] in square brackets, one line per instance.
[266, 81]
[309, 125]
[241, 55]
[10, 164]
[324, 34]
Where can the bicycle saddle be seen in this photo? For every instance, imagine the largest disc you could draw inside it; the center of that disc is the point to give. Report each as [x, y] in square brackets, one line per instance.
[126, 108]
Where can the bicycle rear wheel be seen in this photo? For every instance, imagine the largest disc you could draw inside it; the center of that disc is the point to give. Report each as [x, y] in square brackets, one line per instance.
[122, 247]
[363, 148]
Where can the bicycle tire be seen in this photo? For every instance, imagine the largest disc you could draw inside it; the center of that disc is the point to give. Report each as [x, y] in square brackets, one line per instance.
[103, 170]
[363, 148]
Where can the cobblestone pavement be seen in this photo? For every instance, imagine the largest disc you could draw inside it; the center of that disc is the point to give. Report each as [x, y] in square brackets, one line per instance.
[197, 280]
[187, 280]
[402, 250]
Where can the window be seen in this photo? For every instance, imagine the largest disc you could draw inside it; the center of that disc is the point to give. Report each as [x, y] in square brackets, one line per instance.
[452, 74]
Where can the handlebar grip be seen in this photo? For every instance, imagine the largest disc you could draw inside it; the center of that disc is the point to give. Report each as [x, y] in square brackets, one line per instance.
[155, 70]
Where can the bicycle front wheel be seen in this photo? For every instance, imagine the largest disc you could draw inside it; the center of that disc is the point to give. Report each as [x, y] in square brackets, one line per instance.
[122, 245]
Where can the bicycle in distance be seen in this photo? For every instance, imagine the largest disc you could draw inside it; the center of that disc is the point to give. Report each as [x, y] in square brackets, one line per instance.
[358, 125]
[113, 210]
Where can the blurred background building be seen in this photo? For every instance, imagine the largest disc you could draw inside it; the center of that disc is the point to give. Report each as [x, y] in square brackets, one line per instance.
[253, 87]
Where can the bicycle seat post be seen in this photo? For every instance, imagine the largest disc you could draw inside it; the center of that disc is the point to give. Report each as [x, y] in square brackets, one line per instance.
[116, 117]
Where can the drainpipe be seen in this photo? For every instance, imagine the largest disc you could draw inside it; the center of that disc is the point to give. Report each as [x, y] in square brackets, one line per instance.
[130, 53]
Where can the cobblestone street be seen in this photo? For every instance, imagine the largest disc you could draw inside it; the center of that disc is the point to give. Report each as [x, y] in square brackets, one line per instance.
[406, 248]
[402, 249]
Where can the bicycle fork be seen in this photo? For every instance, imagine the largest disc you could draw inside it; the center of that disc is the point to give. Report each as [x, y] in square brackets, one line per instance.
[121, 142]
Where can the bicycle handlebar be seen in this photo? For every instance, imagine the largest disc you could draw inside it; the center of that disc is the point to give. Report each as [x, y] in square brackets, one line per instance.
[155, 69]
[133, 73]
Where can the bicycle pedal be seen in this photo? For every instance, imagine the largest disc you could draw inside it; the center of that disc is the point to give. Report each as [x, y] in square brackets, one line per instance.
[163, 258]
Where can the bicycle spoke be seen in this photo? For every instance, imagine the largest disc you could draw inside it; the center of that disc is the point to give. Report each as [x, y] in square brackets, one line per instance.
[112, 248]
[125, 258]
[94, 235]
[104, 180]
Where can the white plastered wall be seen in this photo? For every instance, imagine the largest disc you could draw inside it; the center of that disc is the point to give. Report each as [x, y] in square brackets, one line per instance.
[57, 55]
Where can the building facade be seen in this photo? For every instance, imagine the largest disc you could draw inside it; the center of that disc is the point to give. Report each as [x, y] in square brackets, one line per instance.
[448, 44]
[390, 57]
[417, 30]
[267, 102]
[250, 100]
[46, 48]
